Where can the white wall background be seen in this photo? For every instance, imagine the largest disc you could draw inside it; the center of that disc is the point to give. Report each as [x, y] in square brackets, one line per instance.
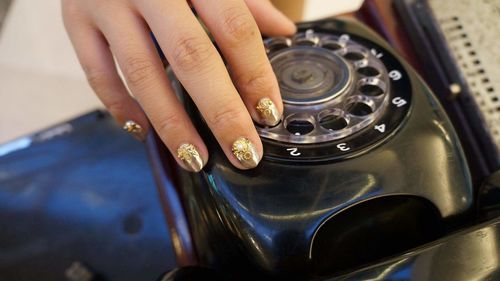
[41, 82]
[316, 9]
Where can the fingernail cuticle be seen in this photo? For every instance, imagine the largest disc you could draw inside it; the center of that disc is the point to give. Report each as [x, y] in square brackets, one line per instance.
[246, 153]
[190, 157]
[268, 112]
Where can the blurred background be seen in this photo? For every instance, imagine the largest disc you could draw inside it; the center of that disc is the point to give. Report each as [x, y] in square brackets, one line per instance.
[41, 82]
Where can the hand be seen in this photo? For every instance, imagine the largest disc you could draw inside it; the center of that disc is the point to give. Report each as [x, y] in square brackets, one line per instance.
[102, 29]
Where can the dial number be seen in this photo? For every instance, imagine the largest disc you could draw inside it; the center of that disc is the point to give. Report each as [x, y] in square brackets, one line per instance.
[380, 128]
[395, 75]
[376, 53]
[293, 151]
[399, 102]
[343, 147]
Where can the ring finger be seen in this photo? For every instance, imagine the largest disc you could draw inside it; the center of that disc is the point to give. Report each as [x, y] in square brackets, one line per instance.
[97, 62]
[130, 41]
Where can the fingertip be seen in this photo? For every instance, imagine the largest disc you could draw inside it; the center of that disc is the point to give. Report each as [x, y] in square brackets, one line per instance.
[134, 128]
[271, 21]
[191, 157]
[248, 153]
[268, 111]
[128, 113]
[286, 27]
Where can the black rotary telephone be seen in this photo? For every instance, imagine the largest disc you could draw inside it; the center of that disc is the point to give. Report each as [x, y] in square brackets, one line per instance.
[364, 165]
[364, 178]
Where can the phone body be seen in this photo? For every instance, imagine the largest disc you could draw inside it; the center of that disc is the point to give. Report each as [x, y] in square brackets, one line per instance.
[365, 164]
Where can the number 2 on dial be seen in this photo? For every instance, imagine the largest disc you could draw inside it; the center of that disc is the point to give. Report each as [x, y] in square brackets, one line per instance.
[293, 151]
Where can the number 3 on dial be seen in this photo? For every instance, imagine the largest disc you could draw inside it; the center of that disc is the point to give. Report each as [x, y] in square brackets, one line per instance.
[343, 146]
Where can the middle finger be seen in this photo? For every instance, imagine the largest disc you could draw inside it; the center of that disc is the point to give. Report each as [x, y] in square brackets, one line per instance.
[203, 74]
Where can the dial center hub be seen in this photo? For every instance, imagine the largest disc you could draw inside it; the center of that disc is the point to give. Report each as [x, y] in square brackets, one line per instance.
[309, 75]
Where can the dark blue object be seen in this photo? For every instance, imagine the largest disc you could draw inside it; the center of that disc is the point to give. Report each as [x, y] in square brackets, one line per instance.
[79, 201]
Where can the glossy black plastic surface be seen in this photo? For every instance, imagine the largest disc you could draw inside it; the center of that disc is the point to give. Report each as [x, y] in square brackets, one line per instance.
[489, 196]
[192, 273]
[401, 190]
[471, 254]
[78, 202]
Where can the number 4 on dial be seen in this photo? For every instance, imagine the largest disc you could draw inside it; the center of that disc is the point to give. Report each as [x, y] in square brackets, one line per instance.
[380, 128]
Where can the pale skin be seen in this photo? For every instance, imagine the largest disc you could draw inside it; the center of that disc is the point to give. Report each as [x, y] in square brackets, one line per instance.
[103, 30]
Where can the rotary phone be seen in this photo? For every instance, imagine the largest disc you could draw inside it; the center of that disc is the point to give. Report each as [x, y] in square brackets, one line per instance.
[364, 165]
[368, 176]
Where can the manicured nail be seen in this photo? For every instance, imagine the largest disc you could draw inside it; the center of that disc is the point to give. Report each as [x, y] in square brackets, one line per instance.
[246, 153]
[135, 129]
[268, 112]
[190, 157]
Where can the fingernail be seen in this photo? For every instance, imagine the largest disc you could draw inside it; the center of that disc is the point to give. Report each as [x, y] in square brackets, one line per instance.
[268, 112]
[190, 157]
[135, 129]
[246, 153]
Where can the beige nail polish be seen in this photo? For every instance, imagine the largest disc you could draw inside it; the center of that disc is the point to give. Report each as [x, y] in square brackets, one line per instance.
[246, 153]
[268, 112]
[190, 157]
[135, 129]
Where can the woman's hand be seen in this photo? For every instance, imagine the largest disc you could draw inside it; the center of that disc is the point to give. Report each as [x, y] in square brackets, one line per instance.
[101, 29]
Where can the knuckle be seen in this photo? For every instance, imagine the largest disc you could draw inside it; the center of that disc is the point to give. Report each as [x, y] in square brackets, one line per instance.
[69, 7]
[225, 115]
[169, 124]
[238, 24]
[190, 52]
[139, 70]
[97, 79]
[116, 107]
[72, 14]
[259, 81]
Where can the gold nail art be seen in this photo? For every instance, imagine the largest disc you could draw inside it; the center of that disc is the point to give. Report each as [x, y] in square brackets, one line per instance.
[134, 128]
[246, 153]
[268, 112]
[190, 157]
